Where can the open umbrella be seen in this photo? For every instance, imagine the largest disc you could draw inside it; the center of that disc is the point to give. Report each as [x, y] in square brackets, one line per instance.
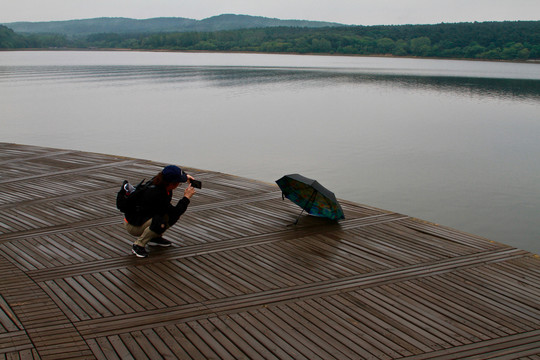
[310, 196]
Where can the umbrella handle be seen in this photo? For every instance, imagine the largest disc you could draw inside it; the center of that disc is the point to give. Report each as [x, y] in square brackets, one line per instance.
[311, 198]
[298, 218]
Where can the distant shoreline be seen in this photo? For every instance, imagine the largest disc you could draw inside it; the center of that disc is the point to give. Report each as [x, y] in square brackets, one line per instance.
[270, 53]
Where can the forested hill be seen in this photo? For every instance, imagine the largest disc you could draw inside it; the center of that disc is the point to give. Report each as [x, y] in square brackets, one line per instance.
[511, 40]
[74, 28]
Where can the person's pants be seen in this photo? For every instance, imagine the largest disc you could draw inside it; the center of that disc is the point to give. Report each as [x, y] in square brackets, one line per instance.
[144, 233]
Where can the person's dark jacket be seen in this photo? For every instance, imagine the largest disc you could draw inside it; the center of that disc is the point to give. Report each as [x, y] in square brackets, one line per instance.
[156, 205]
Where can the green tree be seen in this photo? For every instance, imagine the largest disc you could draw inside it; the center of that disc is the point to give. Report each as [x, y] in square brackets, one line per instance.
[385, 46]
[349, 49]
[492, 54]
[302, 44]
[421, 46]
[510, 40]
[321, 45]
[511, 51]
[523, 54]
[367, 45]
[10, 40]
[401, 48]
[205, 45]
[275, 46]
[473, 51]
[535, 52]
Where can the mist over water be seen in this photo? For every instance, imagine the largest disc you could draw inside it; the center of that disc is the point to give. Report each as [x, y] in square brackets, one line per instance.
[453, 142]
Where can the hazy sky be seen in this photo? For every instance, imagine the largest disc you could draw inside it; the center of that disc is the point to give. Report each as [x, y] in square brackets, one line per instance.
[356, 12]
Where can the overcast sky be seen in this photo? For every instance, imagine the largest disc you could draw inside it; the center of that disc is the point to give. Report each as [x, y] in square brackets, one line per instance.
[354, 12]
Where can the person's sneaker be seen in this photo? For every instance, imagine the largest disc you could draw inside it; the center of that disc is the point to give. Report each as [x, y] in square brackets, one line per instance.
[140, 251]
[159, 241]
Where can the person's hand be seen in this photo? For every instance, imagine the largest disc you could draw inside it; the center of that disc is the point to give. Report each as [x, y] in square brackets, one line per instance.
[189, 177]
[190, 190]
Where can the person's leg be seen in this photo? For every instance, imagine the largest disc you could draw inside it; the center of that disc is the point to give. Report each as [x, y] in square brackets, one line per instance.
[158, 227]
[149, 233]
[136, 230]
[144, 235]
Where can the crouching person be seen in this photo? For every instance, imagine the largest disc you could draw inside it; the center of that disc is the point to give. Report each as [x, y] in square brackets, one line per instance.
[156, 213]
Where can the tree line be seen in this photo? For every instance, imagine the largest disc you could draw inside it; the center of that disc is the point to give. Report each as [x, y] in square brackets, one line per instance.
[510, 40]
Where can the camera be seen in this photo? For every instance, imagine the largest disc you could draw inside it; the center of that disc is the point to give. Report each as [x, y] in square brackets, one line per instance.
[196, 184]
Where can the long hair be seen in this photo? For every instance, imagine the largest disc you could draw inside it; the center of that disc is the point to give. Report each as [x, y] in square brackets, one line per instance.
[159, 181]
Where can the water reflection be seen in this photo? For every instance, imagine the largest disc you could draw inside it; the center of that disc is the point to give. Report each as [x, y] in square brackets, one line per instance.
[503, 88]
[517, 89]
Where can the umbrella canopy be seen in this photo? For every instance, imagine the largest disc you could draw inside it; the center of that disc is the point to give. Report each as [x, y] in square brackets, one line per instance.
[310, 196]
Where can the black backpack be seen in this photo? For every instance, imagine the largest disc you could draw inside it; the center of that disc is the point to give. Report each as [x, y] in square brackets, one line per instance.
[129, 198]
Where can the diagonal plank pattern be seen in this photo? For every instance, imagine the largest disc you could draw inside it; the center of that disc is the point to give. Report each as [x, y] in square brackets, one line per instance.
[240, 281]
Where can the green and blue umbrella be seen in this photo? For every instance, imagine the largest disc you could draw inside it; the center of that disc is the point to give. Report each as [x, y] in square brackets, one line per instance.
[311, 196]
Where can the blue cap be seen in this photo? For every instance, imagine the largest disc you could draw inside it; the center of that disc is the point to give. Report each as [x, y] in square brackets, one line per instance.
[173, 174]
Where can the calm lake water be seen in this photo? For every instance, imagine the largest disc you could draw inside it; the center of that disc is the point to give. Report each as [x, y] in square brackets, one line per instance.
[452, 142]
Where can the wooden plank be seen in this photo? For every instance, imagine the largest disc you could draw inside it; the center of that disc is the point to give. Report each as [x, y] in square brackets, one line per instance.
[458, 318]
[172, 345]
[482, 322]
[511, 315]
[270, 340]
[373, 334]
[303, 346]
[206, 345]
[514, 345]
[66, 172]
[184, 343]
[320, 336]
[102, 349]
[239, 280]
[241, 339]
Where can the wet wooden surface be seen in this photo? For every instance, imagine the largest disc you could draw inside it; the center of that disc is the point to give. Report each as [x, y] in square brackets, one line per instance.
[240, 281]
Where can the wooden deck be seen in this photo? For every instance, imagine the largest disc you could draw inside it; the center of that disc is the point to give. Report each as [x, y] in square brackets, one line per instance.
[240, 282]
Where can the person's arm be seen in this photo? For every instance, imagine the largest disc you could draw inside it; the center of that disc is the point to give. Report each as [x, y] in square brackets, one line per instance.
[176, 211]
